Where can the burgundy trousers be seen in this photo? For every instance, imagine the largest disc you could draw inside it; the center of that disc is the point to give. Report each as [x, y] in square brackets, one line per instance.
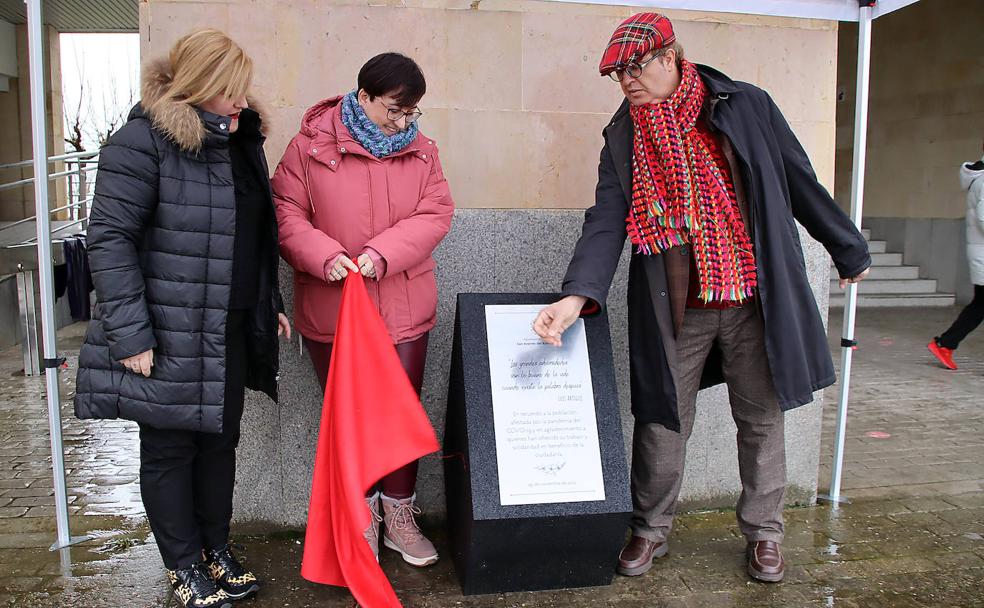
[400, 483]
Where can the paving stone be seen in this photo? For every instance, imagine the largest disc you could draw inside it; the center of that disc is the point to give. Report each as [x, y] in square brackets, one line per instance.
[919, 521]
[969, 518]
[32, 502]
[928, 505]
[14, 483]
[9, 512]
[28, 492]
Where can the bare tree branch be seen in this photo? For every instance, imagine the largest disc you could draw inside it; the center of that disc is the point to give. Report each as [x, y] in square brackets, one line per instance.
[73, 119]
[99, 113]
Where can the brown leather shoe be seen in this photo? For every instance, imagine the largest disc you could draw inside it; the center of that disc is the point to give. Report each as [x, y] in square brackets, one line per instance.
[765, 561]
[637, 556]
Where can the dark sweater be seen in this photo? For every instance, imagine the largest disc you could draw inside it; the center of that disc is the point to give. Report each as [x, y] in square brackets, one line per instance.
[252, 214]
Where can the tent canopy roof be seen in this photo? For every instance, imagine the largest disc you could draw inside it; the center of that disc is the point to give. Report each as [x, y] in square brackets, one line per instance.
[77, 16]
[833, 10]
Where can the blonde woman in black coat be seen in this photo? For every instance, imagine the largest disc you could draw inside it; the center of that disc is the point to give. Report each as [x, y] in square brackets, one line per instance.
[183, 251]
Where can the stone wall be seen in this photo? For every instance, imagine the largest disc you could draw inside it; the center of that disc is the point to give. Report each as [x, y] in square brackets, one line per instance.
[15, 126]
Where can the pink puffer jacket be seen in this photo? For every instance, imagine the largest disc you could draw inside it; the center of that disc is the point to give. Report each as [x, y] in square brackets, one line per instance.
[333, 197]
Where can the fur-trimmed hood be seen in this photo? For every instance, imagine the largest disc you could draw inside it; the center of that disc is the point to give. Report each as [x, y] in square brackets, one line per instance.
[185, 125]
[970, 172]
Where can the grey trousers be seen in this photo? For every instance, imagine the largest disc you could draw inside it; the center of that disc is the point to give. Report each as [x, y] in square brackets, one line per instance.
[658, 454]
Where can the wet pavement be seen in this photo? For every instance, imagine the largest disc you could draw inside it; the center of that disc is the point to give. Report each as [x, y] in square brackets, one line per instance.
[913, 534]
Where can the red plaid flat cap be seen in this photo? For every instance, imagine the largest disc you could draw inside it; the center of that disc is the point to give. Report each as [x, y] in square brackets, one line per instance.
[634, 37]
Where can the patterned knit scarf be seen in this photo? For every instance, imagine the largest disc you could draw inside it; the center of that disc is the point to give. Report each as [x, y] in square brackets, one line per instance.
[368, 134]
[679, 194]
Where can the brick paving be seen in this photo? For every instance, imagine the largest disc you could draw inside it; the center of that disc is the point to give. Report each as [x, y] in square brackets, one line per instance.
[934, 418]
[913, 534]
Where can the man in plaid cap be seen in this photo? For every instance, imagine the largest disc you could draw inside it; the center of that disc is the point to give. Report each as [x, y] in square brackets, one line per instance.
[705, 177]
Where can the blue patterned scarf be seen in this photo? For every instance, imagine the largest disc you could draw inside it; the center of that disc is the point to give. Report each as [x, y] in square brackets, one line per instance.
[368, 134]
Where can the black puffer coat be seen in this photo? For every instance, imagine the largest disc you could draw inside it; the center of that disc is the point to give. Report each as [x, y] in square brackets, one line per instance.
[160, 241]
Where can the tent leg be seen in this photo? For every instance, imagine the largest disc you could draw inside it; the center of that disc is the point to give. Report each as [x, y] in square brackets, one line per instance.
[43, 220]
[848, 342]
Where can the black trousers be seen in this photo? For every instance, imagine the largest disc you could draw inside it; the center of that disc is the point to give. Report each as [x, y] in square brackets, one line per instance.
[187, 478]
[970, 317]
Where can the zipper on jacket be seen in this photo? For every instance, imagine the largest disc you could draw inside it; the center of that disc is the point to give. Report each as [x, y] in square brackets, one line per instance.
[307, 184]
[372, 233]
[260, 165]
[750, 195]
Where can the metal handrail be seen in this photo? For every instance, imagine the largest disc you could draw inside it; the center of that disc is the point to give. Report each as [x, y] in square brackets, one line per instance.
[68, 206]
[16, 184]
[33, 240]
[84, 163]
[51, 177]
[52, 159]
[56, 210]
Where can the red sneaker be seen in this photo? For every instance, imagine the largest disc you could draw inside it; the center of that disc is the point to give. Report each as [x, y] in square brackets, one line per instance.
[944, 354]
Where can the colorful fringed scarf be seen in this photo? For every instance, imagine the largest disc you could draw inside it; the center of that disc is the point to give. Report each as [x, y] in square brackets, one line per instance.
[680, 195]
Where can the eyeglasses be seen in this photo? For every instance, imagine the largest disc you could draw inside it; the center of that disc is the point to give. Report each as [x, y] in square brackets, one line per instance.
[633, 69]
[396, 114]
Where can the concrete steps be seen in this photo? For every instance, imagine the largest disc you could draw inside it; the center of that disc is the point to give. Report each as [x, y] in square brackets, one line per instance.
[928, 300]
[892, 286]
[891, 283]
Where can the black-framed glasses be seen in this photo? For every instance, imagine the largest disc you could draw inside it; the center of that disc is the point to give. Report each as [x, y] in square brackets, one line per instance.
[633, 69]
[396, 114]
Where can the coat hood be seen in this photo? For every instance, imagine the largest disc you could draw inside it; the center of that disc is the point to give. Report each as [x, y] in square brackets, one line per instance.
[180, 122]
[319, 117]
[969, 172]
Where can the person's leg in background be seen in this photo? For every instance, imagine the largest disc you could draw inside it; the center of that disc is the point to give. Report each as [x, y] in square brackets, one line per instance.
[967, 321]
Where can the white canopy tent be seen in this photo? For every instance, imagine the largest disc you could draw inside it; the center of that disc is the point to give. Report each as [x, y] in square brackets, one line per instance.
[861, 11]
[830, 10]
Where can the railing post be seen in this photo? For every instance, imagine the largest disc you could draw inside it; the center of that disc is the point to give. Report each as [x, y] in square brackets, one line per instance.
[70, 188]
[83, 190]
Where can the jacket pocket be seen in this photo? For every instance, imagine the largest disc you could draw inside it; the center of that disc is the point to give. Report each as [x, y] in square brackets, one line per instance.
[427, 265]
[421, 286]
[316, 305]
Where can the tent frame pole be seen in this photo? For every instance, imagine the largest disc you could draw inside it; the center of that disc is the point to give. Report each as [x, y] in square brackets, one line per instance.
[35, 35]
[848, 341]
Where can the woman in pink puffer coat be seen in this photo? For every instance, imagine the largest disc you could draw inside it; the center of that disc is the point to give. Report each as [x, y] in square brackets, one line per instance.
[360, 189]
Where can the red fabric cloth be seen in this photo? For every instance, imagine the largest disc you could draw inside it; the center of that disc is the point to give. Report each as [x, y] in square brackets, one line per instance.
[354, 452]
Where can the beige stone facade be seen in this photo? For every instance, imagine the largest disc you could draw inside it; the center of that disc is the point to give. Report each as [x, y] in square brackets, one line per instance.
[514, 97]
[16, 142]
